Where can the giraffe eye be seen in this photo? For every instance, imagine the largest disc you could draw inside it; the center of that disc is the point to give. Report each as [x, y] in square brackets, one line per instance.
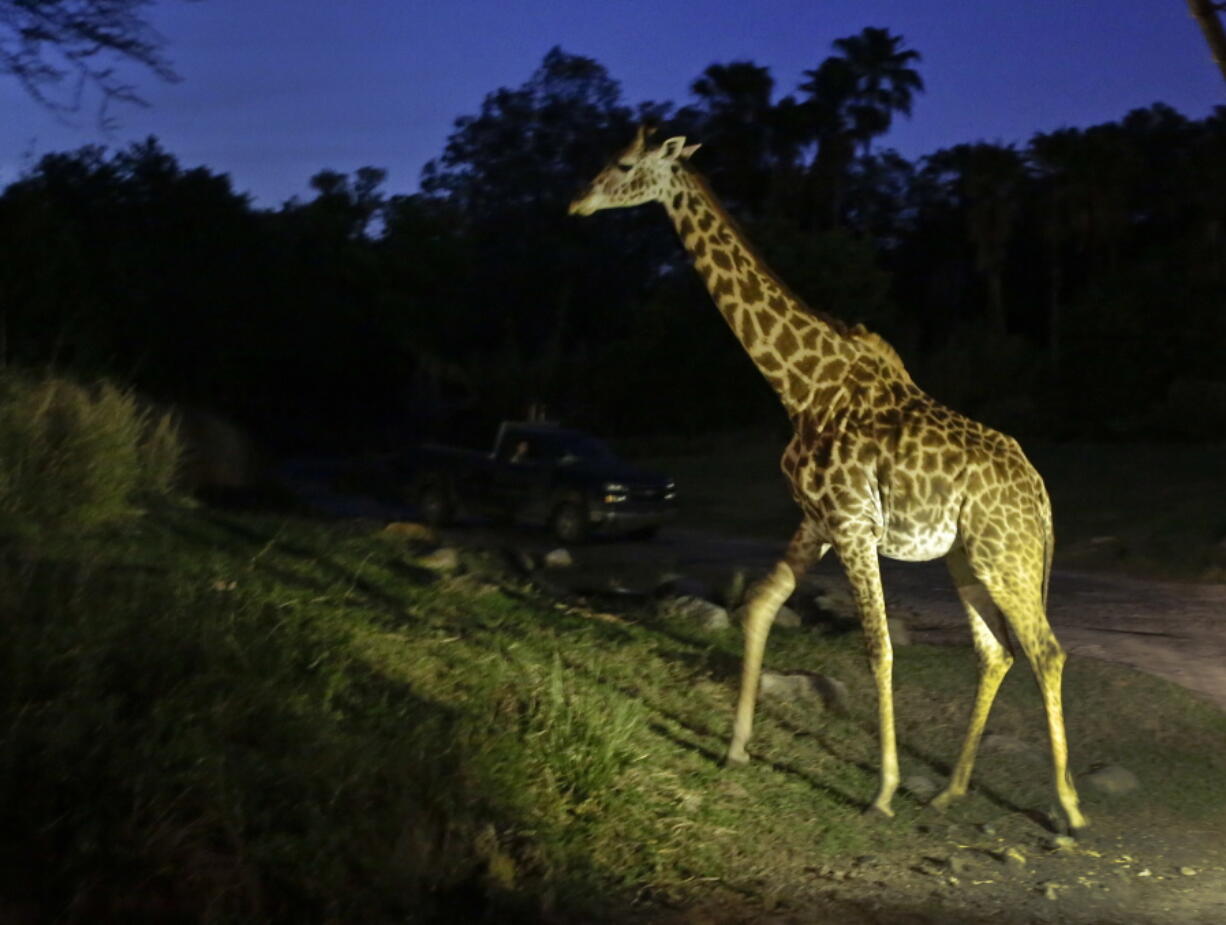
[625, 168]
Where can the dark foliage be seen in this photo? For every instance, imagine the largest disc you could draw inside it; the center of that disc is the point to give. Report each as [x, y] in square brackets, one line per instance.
[1070, 286]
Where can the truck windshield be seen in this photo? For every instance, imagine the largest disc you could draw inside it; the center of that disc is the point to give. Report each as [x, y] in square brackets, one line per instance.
[567, 448]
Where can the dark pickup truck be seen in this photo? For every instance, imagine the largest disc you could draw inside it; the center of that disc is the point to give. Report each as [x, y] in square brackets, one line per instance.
[566, 480]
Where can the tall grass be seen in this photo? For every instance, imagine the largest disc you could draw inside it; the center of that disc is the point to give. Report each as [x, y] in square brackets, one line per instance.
[73, 458]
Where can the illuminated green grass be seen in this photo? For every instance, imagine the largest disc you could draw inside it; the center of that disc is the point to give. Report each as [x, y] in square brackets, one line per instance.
[232, 718]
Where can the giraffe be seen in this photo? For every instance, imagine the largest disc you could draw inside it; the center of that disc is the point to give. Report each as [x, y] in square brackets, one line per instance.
[877, 467]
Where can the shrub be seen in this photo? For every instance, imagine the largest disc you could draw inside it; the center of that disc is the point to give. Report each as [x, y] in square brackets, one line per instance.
[74, 458]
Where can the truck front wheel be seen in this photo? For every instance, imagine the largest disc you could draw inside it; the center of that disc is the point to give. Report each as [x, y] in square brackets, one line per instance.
[569, 522]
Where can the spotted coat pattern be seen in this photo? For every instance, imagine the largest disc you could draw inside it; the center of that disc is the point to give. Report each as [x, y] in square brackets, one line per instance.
[877, 467]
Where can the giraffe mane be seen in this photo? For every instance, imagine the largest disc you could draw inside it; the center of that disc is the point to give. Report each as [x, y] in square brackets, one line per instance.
[873, 342]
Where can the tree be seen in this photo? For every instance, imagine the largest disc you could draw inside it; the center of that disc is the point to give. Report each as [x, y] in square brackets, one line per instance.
[48, 44]
[986, 183]
[737, 121]
[851, 99]
[548, 288]
[1206, 13]
[883, 82]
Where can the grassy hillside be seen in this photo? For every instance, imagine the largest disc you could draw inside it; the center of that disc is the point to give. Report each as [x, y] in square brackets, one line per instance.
[219, 717]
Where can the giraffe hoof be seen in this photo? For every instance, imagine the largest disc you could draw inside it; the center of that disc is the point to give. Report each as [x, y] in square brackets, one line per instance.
[1080, 828]
[941, 801]
[877, 813]
[736, 757]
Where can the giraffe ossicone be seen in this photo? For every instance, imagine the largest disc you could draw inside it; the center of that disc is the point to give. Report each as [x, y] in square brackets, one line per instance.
[877, 467]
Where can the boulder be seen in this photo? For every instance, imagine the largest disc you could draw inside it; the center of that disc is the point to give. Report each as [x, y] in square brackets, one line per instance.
[1111, 779]
[709, 616]
[786, 616]
[805, 685]
[558, 558]
[444, 559]
[411, 532]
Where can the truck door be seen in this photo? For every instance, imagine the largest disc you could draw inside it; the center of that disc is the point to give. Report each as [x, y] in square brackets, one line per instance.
[521, 479]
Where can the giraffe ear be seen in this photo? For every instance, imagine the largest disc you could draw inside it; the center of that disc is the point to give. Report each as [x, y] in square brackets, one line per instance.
[675, 149]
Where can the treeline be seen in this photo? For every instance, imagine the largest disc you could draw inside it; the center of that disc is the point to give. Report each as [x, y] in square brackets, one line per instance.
[1072, 286]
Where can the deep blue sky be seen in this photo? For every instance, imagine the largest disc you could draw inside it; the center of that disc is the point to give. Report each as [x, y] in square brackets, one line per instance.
[275, 90]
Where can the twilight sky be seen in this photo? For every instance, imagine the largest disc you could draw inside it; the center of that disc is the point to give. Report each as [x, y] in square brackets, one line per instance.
[275, 90]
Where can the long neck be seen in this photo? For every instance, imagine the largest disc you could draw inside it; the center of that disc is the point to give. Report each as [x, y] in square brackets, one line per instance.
[797, 350]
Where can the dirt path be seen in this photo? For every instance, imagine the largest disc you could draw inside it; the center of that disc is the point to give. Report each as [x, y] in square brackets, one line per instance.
[1174, 631]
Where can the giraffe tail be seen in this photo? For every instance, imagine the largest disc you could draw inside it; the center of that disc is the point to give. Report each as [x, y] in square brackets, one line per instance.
[1049, 548]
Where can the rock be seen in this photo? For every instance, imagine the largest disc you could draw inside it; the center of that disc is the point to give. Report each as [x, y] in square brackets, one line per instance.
[217, 453]
[786, 617]
[710, 617]
[834, 694]
[787, 686]
[1112, 779]
[444, 559]
[899, 634]
[805, 685]
[715, 618]
[920, 787]
[411, 533]
[558, 558]
[1004, 745]
[837, 602]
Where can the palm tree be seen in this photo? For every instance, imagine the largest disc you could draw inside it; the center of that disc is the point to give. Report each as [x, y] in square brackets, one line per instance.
[851, 99]
[736, 117]
[885, 83]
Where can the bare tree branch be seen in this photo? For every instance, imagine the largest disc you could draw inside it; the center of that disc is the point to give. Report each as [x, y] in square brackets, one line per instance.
[58, 49]
[1205, 12]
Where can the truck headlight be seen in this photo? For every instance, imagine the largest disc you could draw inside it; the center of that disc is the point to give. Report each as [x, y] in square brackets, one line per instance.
[615, 493]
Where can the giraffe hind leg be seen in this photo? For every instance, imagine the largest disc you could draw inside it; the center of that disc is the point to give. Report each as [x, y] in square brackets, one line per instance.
[993, 650]
[1022, 606]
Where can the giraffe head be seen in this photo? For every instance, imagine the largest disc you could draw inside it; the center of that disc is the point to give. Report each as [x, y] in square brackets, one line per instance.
[636, 175]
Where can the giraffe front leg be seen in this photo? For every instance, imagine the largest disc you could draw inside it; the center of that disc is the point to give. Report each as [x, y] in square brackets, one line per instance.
[864, 573]
[764, 603]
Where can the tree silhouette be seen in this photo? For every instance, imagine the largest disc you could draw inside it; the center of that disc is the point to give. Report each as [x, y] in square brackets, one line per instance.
[48, 45]
[883, 82]
[986, 181]
[851, 99]
[737, 121]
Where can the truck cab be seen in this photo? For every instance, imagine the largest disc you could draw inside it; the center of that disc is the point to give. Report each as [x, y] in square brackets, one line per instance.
[566, 480]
